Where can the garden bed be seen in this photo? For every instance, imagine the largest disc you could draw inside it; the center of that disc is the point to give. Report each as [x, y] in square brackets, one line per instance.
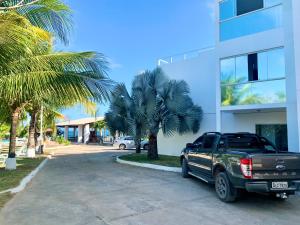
[11, 179]
[164, 160]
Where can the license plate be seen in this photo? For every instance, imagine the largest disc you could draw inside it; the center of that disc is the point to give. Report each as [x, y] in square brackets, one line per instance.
[280, 185]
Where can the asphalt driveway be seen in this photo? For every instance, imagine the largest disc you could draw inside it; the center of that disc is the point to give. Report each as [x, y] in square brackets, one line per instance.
[85, 186]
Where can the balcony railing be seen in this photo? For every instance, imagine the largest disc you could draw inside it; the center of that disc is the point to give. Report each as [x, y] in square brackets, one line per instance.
[251, 23]
[183, 56]
[258, 92]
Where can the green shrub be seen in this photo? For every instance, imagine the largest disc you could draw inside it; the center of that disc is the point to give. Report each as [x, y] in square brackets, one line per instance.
[61, 140]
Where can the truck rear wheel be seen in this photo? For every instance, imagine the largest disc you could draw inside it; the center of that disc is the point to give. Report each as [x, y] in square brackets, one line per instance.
[225, 191]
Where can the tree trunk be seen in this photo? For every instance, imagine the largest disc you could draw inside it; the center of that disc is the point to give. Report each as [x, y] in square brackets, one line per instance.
[32, 126]
[153, 152]
[138, 145]
[13, 132]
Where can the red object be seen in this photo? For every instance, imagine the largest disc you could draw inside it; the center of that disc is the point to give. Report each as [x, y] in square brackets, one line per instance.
[246, 168]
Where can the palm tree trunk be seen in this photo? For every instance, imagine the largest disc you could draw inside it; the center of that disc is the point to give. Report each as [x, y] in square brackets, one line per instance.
[13, 132]
[153, 152]
[138, 145]
[32, 126]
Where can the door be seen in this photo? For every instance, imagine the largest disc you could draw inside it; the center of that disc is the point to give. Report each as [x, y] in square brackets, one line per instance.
[201, 159]
[277, 134]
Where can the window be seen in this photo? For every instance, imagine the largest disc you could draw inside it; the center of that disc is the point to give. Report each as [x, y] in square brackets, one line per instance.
[129, 139]
[252, 67]
[237, 21]
[228, 70]
[198, 141]
[276, 63]
[245, 6]
[261, 66]
[227, 9]
[209, 141]
[241, 69]
[257, 78]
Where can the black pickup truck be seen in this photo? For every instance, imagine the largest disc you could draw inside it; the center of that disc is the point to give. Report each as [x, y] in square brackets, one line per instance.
[241, 161]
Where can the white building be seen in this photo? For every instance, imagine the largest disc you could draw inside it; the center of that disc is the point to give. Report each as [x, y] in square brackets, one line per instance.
[250, 80]
[82, 131]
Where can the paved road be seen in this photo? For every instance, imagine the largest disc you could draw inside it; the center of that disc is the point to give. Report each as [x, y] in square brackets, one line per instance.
[86, 187]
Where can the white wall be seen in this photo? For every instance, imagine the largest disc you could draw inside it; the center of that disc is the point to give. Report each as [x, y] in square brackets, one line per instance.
[200, 74]
[246, 122]
[291, 18]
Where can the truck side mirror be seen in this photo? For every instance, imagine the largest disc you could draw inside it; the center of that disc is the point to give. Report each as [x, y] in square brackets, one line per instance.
[221, 145]
[190, 145]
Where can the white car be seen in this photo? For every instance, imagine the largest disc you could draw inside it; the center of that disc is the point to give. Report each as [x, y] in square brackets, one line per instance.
[123, 143]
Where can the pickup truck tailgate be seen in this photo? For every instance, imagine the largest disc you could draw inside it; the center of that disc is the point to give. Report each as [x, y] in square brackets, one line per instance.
[276, 166]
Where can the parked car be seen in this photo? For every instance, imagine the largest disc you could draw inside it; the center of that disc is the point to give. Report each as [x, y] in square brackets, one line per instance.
[128, 143]
[124, 143]
[241, 161]
[145, 144]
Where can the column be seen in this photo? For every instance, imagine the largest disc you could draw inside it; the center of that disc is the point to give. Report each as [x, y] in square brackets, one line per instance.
[86, 133]
[291, 18]
[80, 134]
[66, 133]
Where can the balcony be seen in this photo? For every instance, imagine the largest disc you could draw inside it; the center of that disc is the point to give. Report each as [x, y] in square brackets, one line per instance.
[254, 93]
[250, 23]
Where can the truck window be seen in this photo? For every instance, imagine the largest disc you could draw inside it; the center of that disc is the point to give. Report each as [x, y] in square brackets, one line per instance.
[198, 141]
[244, 143]
[209, 142]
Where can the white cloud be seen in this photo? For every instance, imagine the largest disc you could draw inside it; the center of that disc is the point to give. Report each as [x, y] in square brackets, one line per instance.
[114, 65]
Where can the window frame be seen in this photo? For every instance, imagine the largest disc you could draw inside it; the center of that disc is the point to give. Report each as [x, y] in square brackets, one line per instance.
[237, 16]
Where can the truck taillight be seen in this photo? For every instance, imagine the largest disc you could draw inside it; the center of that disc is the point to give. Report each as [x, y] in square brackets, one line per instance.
[246, 167]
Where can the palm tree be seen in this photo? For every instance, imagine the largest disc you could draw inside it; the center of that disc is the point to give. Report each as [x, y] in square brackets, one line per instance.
[125, 115]
[34, 73]
[166, 106]
[53, 16]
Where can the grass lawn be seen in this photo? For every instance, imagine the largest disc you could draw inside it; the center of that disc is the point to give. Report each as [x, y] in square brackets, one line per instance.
[11, 179]
[164, 160]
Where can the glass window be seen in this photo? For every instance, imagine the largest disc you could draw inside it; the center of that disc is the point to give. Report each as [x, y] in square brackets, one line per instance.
[228, 71]
[276, 134]
[267, 92]
[262, 65]
[227, 9]
[251, 23]
[276, 63]
[245, 6]
[252, 67]
[269, 3]
[209, 142]
[241, 69]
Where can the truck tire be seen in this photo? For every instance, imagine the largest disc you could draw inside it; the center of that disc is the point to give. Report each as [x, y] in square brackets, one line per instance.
[224, 189]
[185, 169]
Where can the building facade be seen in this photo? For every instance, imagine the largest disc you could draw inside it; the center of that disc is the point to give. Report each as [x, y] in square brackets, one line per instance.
[250, 80]
[83, 131]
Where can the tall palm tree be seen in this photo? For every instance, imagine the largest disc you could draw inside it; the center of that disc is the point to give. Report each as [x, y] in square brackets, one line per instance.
[53, 16]
[125, 115]
[166, 105]
[34, 72]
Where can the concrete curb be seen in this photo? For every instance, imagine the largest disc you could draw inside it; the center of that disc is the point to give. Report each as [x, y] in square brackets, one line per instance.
[26, 179]
[150, 166]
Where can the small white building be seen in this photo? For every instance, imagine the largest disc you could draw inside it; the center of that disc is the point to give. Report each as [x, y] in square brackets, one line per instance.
[82, 131]
[250, 80]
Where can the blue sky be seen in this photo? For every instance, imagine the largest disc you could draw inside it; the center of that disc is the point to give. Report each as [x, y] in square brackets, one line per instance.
[133, 34]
